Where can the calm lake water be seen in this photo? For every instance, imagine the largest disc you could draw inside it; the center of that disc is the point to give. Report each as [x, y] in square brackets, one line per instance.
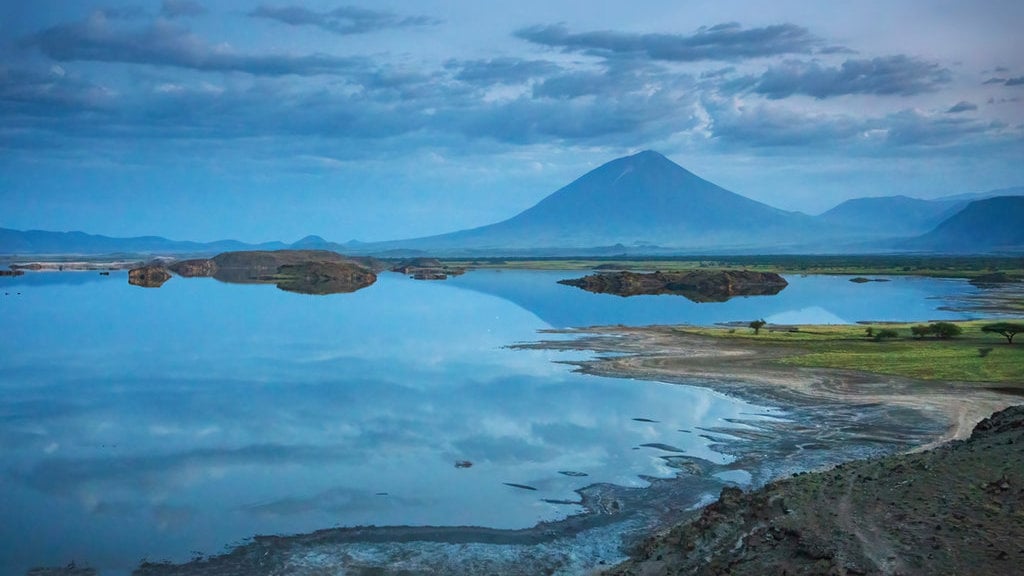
[159, 423]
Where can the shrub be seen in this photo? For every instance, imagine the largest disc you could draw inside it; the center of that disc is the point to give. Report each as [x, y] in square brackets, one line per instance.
[886, 333]
[920, 331]
[945, 329]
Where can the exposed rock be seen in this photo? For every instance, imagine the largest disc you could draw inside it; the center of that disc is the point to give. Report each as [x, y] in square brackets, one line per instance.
[697, 285]
[201, 267]
[305, 271]
[151, 276]
[951, 510]
[323, 277]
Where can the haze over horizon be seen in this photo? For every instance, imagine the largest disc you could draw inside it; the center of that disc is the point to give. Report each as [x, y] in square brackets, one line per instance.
[205, 120]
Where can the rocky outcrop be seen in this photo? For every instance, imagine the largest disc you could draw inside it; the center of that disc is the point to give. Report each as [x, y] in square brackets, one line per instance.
[306, 271]
[951, 510]
[697, 285]
[151, 276]
[198, 268]
[323, 277]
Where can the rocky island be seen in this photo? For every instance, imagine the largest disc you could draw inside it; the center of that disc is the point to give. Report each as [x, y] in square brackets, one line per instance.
[150, 276]
[696, 285]
[303, 271]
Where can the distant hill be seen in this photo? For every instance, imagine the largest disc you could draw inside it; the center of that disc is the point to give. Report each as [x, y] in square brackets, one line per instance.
[990, 225]
[44, 242]
[972, 196]
[635, 201]
[889, 215]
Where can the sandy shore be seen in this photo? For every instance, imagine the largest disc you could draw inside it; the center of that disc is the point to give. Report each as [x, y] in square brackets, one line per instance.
[667, 354]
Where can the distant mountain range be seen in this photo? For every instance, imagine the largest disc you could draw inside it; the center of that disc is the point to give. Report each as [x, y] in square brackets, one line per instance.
[643, 204]
[993, 224]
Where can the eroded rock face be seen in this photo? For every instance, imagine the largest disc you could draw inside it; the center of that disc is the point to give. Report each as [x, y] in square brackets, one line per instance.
[202, 267]
[697, 285]
[152, 276]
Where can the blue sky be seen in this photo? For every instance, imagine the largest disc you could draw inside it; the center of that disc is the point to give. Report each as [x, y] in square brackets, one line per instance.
[196, 119]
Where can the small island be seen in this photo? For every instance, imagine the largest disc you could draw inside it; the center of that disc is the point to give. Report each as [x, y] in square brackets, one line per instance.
[696, 285]
[302, 271]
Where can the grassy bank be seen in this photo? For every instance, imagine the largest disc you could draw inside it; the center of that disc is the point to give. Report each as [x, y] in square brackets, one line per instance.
[974, 356]
[920, 265]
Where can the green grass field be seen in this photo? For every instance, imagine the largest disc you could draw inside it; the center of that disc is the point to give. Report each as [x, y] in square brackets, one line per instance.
[900, 265]
[974, 356]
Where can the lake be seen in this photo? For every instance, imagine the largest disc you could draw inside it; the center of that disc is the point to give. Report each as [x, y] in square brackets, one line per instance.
[164, 423]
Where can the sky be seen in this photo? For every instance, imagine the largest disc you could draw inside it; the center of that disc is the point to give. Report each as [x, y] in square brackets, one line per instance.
[205, 120]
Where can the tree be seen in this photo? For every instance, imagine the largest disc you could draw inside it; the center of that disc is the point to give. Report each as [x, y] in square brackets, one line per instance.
[1007, 329]
[757, 325]
[885, 333]
[945, 329]
[869, 331]
[920, 331]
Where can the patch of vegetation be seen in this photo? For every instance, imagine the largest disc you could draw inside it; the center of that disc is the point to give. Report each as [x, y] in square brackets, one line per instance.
[845, 347]
[1009, 268]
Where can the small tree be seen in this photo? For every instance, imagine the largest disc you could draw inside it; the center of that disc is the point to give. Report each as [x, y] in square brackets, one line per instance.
[886, 333]
[757, 325]
[945, 329]
[920, 331]
[869, 331]
[1007, 329]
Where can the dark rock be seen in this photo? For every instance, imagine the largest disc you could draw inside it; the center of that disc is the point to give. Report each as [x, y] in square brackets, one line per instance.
[152, 276]
[697, 285]
[201, 267]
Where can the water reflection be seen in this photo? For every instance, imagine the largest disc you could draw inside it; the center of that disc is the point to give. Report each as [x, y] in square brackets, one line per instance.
[153, 423]
[807, 299]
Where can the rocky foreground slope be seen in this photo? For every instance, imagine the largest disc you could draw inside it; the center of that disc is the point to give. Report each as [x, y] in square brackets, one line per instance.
[957, 509]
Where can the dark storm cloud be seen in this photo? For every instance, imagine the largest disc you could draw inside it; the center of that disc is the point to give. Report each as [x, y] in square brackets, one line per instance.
[181, 9]
[343, 20]
[962, 106]
[890, 75]
[164, 44]
[507, 70]
[722, 42]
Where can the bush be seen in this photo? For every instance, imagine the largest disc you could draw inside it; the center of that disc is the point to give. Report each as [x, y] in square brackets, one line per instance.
[886, 333]
[920, 331]
[945, 329]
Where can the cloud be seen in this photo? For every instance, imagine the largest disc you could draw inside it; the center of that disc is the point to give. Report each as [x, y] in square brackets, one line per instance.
[507, 70]
[344, 20]
[1018, 81]
[962, 106]
[165, 44]
[722, 42]
[181, 9]
[890, 75]
[739, 125]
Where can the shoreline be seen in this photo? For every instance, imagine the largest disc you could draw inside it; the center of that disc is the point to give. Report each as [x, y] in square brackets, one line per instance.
[859, 416]
[749, 370]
